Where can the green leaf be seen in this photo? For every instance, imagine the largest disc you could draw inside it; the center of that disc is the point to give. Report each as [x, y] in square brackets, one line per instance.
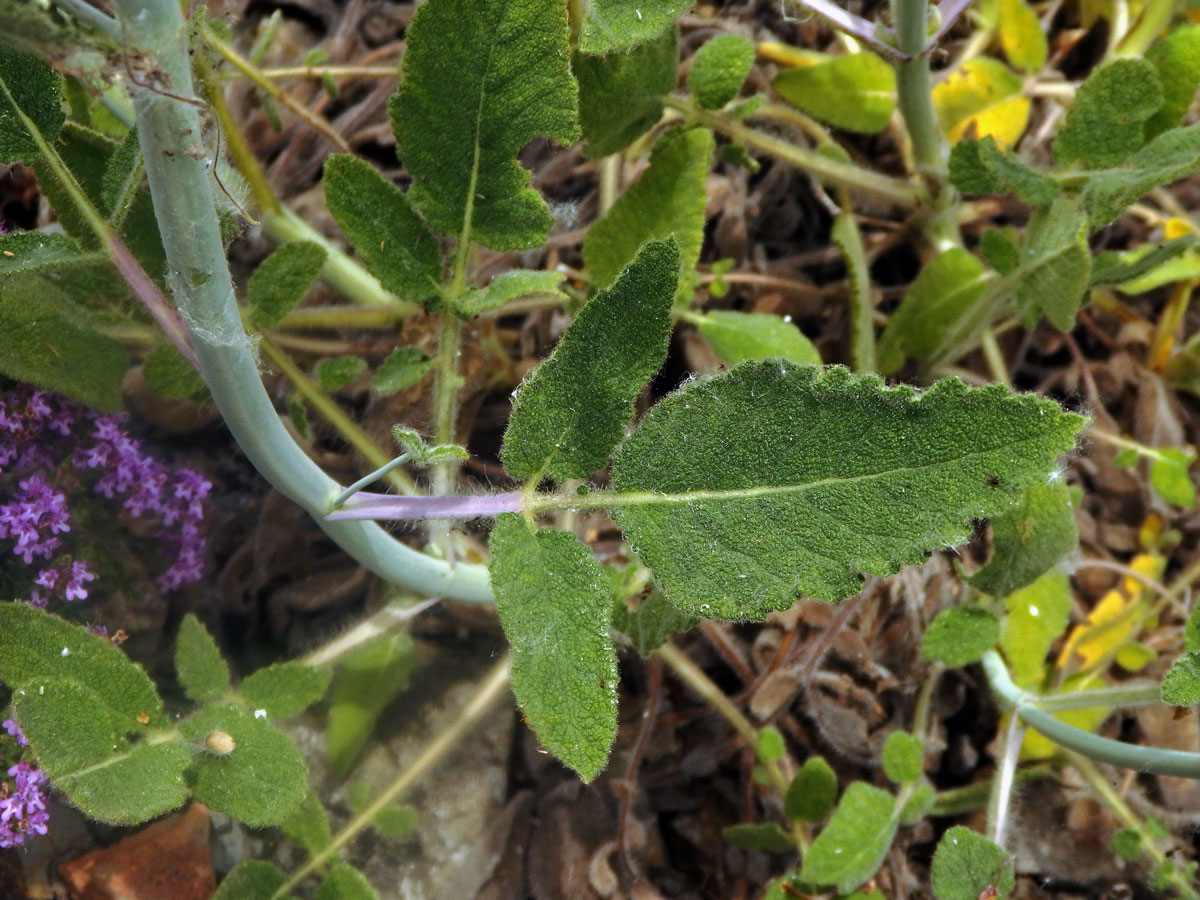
[979, 166]
[366, 681]
[666, 202]
[308, 826]
[738, 335]
[47, 342]
[1170, 478]
[1119, 268]
[1176, 59]
[771, 747]
[621, 93]
[919, 803]
[282, 279]
[508, 286]
[1134, 657]
[421, 453]
[1191, 633]
[404, 367]
[36, 646]
[1055, 265]
[1021, 35]
[767, 837]
[344, 882]
[811, 795]
[959, 635]
[169, 374]
[855, 92]
[80, 745]
[999, 249]
[286, 688]
[202, 671]
[719, 68]
[123, 176]
[772, 480]
[1107, 120]
[652, 623]
[260, 782]
[1180, 687]
[981, 97]
[618, 25]
[1127, 843]
[966, 864]
[31, 88]
[945, 290]
[39, 251]
[571, 412]
[251, 879]
[392, 241]
[336, 372]
[481, 79]
[1037, 616]
[555, 605]
[1028, 539]
[397, 820]
[851, 847]
[1169, 157]
[903, 757]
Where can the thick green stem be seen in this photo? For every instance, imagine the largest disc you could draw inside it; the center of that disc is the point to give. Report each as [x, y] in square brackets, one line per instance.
[199, 276]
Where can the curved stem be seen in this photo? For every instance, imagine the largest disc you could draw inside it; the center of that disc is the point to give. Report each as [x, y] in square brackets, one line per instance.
[199, 275]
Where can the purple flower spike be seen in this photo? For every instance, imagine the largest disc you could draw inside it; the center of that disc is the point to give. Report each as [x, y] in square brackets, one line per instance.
[22, 806]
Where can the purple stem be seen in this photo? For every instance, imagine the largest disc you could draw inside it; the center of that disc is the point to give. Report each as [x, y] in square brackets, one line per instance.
[365, 505]
[151, 297]
[949, 10]
[861, 28]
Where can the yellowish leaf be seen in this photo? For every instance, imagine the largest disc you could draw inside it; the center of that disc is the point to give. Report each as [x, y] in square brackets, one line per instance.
[1176, 227]
[982, 97]
[1021, 35]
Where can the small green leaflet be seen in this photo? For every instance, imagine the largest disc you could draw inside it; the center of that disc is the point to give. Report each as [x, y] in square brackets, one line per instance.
[944, 291]
[509, 286]
[621, 94]
[554, 604]
[771, 746]
[404, 367]
[572, 411]
[1170, 478]
[370, 678]
[1176, 59]
[335, 372]
[998, 246]
[979, 166]
[773, 480]
[392, 241]
[767, 837]
[202, 671]
[1127, 843]
[903, 757]
[481, 79]
[719, 68]
[344, 882]
[27, 87]
[960, 635]
[1107, 121]
[123, 178]
[170, 375]
[652, 623]
[1028, 539]
[285, 689]
[308, 826]
[251, 879]
[851, 847]
[281, 280]
[1169, 157]
[855, 92]
[1056, 264]
[966, 865]
[619, 25]
[737, 336]
[666, 202]
[811, 795]
[1181, 686]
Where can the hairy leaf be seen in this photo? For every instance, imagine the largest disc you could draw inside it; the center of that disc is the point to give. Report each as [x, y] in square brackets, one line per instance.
[773, 480]
[737, 336]
[1031, 537]
[335, 372]
[1119, 268]
[1181, 686]
[169, 374]
[367, 680]
[508, 286]
[719, 68]
[285, 689]
[392, 241]
[281, 280]
[621, 93]
[1021, 35]
[960, 635]
[27, 86]
[967, 865]
[1107, 121]
[404, 367]
[38, 251]
[666, 202]
[811, 795]
[999, 247]
[652, 623]
[261, 781]
[981, 98]
[903, 757]
[1176, 59]
[979, 166]
[344, 882]
[618, 25]
[572, 411]
[767, 837]
[251, 879]
[856, 92]
[945, 290]
[123, 176]
[1167, 158]
[481, 79]
[850, 848]
[1170, 478]
[308, 827]
[202, 671]
[35, 646]
[555, 606]
[1056, 264]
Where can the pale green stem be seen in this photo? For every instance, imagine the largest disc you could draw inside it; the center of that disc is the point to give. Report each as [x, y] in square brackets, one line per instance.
[994, 357]
[367, 479]
[1003, 780]
[1114, 440]
[184, 205]
[388, 619]
[1154, 16]
[491, 690]
[610, 181]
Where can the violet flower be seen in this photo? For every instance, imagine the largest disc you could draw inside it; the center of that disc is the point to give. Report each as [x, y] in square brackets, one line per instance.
[22, 805]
